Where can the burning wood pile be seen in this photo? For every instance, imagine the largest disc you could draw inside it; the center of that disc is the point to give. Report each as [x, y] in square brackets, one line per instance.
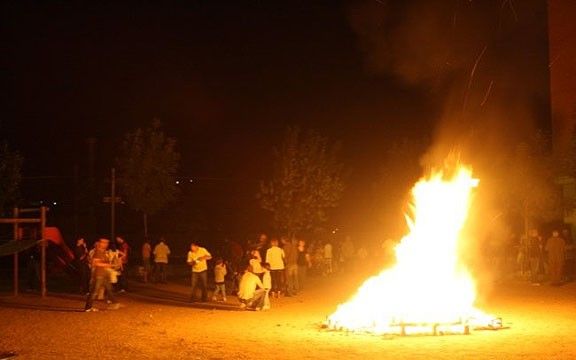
[429, 290]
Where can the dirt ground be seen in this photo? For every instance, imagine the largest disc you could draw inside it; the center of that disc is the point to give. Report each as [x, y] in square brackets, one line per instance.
[157, 323]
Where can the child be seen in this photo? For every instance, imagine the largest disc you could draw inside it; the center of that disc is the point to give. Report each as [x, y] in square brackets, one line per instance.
[219, 279]
[267, 282]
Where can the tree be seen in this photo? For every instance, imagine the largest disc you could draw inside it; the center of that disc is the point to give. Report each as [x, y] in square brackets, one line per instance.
[567, 179]
[532, 191]
[147, 166]
[10, 175]
[307, 181]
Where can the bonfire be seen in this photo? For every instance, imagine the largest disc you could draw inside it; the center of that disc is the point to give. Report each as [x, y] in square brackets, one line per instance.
[429, 289]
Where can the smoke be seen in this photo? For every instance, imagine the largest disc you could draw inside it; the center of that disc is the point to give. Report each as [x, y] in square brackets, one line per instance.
[419, 41]
[484, 64]
[403, 38]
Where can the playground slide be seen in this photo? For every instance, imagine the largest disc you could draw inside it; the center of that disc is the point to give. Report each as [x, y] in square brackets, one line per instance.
[58, 250]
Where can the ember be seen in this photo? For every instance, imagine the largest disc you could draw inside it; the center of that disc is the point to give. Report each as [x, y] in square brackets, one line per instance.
[429, 290]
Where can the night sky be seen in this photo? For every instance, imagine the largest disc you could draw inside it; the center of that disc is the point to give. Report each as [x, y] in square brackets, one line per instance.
[227, 77]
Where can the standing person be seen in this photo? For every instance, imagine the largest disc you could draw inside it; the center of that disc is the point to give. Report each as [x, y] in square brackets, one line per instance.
[220, 279]
[115, 271]
[235, 252]
[124, 252]
[534, 251]
[291, 267]
[347, 253]
[146, 258]
[81, 262]
[161, 253]
[556, 247]
[304, 263]
[523, 257]
[275, 258]
[33, 270]
[100, 275]
[197, 259]
[570, 262]
[261, 243]
[251, 291]
[327, 258]
[256, 263]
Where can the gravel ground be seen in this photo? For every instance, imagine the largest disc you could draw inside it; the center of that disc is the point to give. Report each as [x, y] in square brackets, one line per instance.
[156, 323]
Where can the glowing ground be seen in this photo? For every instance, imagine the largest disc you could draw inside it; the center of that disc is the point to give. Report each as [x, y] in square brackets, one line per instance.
[542, 326]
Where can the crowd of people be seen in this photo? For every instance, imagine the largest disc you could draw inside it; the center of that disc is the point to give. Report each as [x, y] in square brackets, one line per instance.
[266, 269]
[552, 258]
[536, 257]
[102, 270]
[261, 270]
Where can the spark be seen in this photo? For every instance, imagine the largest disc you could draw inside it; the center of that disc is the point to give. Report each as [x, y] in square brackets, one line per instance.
[472, 77]
[487, 93]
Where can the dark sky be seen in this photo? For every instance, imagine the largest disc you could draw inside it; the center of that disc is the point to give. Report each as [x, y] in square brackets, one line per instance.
[227, 77]
[222, 77]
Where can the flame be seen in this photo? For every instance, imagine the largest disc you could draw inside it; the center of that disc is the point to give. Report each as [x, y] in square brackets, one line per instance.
[429, 284]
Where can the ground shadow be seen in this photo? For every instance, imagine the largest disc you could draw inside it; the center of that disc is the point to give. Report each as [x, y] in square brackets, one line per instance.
[41, 307]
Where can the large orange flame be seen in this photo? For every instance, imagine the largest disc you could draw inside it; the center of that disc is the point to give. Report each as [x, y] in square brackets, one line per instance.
[429, 284]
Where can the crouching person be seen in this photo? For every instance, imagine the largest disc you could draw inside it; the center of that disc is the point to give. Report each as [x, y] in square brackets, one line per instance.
[251, 291]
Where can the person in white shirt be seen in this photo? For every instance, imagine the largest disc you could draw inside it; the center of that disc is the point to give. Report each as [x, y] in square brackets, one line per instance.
[197, 259]
[219, 279]
[251, 291]
[161, 253]
[275, 257]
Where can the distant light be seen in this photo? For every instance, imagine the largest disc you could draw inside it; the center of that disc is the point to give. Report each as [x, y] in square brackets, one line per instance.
[191, 180]
[177, 182]
[54, 203]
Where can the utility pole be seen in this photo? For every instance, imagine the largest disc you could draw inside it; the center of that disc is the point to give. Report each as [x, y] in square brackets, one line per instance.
[16, 237]
[113, 206]
[113, 200]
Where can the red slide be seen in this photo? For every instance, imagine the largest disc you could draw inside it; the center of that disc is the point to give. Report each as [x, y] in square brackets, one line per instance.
[58, 248]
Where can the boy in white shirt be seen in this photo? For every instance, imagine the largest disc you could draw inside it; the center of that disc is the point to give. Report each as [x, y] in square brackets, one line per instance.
[219, 279]
[275, 257]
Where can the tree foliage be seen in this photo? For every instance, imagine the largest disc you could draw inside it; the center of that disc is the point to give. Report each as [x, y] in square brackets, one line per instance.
[10, 175]
[147, 166]
[532, 191]
[307, 181]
